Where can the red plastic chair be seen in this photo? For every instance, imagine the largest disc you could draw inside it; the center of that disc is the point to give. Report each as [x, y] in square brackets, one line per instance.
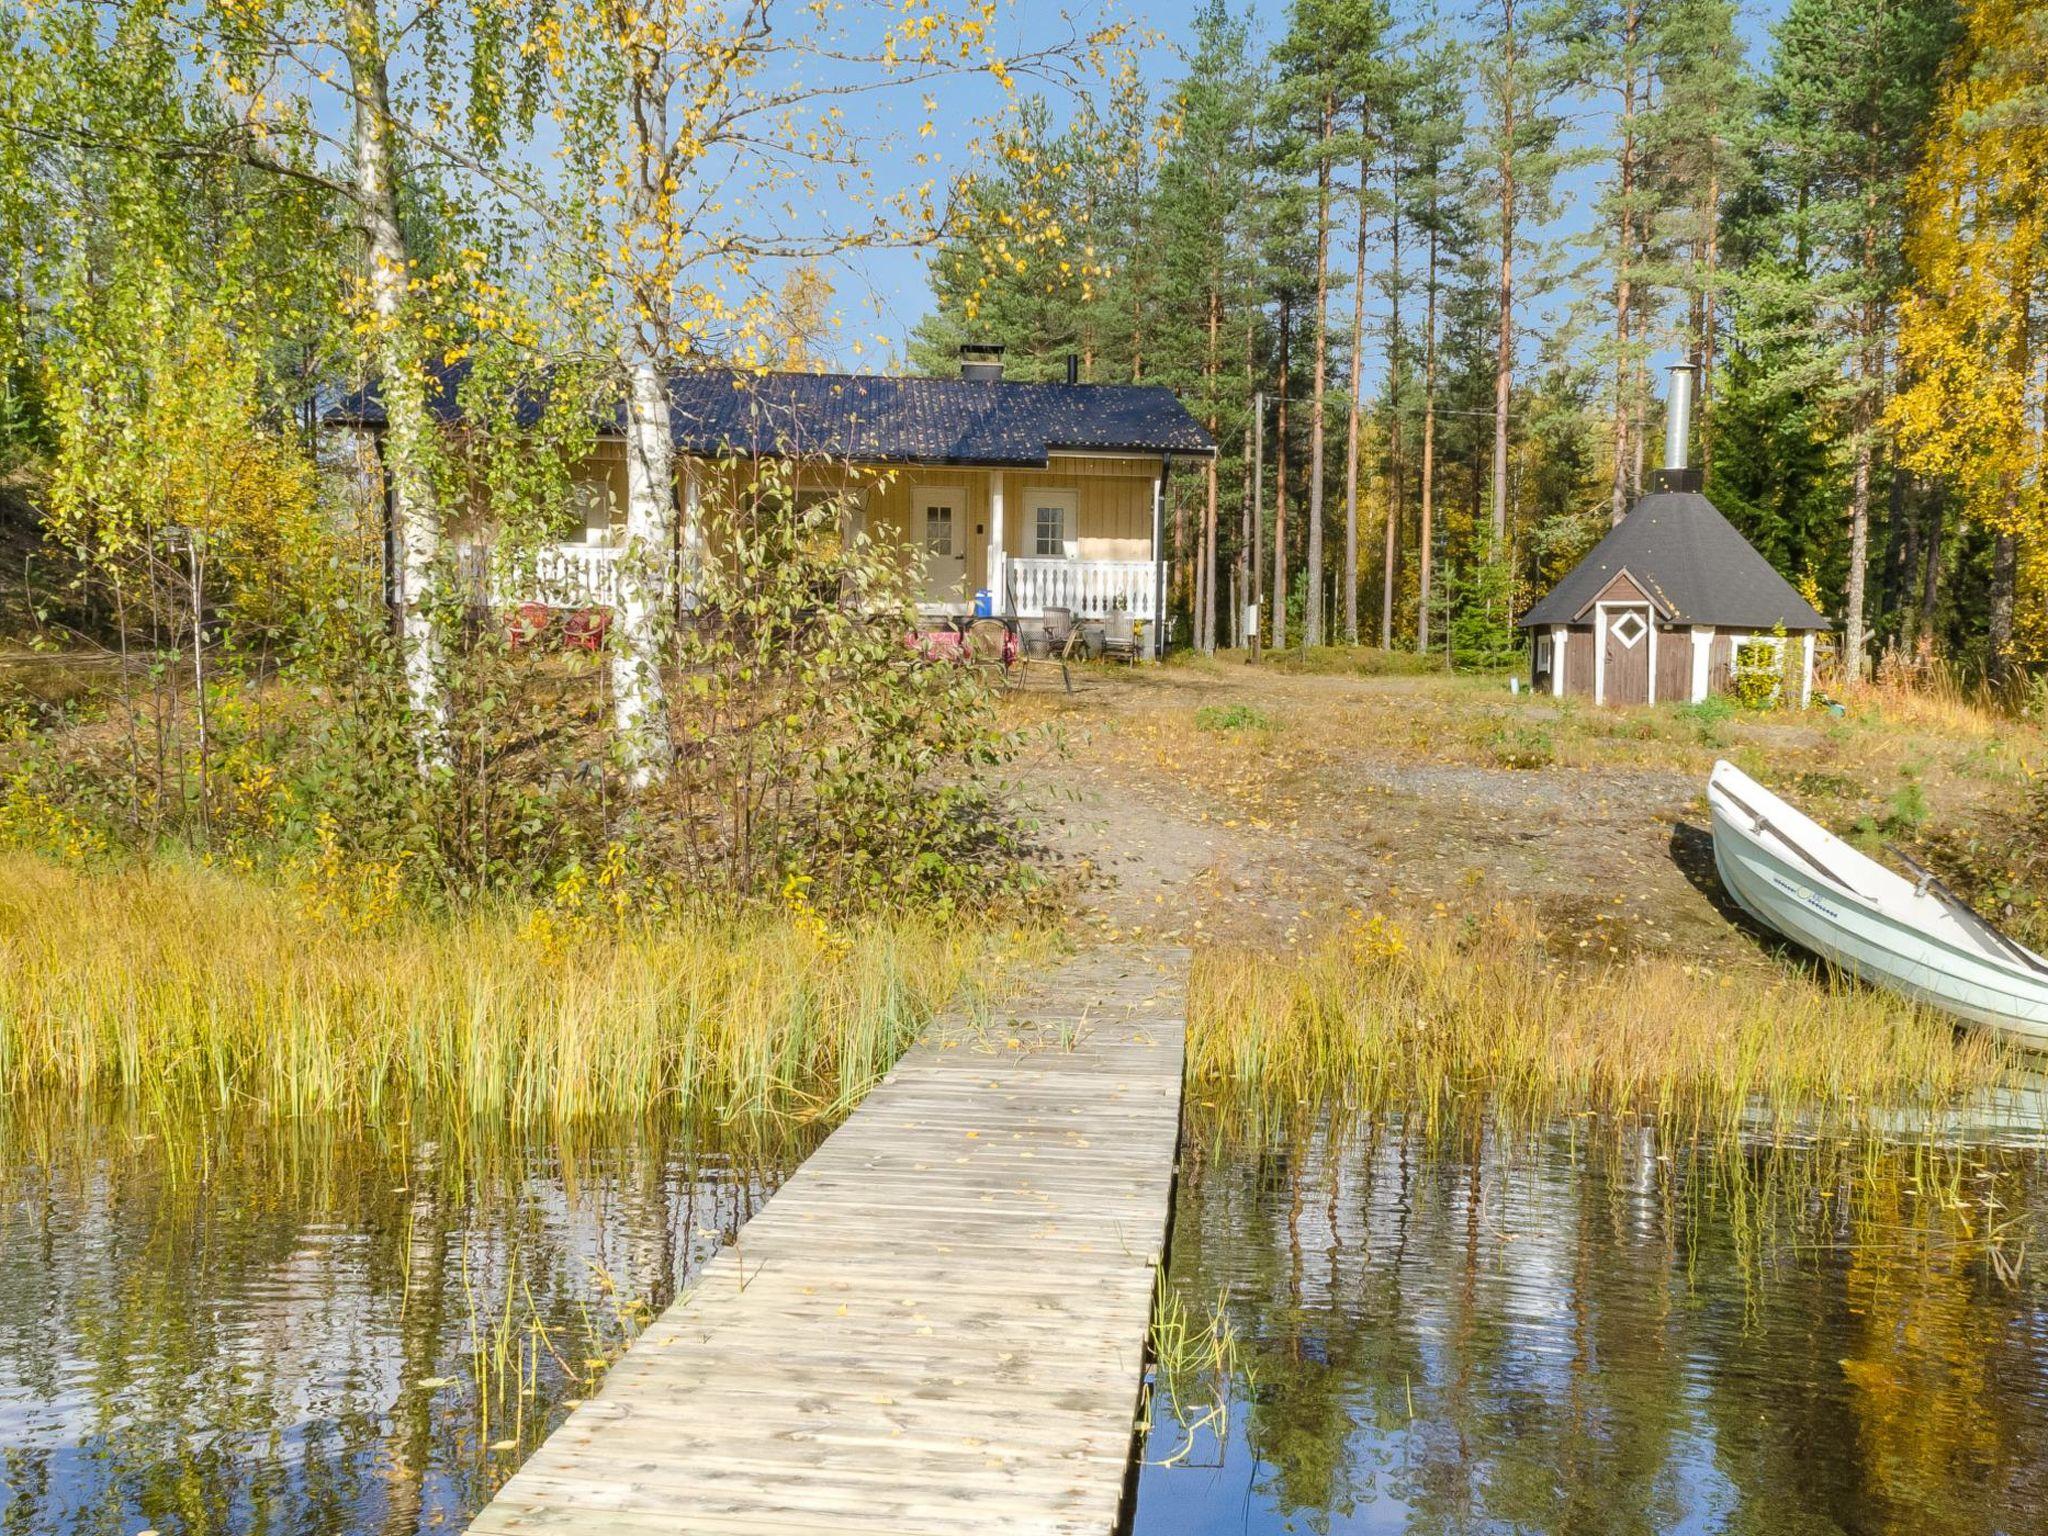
[585, 629]
[527, 625]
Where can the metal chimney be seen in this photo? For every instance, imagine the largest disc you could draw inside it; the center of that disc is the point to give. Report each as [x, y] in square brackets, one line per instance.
[1678, 473]
[981, 362]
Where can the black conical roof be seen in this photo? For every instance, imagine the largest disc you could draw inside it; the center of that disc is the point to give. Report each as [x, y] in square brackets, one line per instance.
[1680, 550]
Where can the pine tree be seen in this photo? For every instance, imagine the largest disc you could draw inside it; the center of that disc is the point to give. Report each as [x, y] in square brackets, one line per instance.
[1197, 229]
[1524, 70]
[1429, 126]
[1851, 88]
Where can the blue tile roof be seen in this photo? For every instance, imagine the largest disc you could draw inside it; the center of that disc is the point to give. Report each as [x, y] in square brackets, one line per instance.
[872, 418]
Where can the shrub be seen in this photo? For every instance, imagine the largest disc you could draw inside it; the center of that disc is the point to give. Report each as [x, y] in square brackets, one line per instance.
[1232, 717]
[1522, 746]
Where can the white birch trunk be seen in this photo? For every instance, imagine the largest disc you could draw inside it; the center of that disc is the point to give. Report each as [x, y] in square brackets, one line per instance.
[408, 422]
[639, 707]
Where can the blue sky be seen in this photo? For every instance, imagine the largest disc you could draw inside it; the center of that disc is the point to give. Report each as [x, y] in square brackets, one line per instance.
[897, 293]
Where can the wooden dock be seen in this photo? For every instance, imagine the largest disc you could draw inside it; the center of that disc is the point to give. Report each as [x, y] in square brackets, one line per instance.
[937, 1325]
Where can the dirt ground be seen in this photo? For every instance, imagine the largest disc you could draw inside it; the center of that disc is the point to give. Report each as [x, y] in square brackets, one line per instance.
[1215, 801]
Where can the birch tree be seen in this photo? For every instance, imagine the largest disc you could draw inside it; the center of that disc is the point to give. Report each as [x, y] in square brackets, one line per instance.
[718, 145]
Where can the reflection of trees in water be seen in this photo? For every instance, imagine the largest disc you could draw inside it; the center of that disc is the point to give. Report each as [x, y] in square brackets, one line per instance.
[224, 1328]
[1616, 1329]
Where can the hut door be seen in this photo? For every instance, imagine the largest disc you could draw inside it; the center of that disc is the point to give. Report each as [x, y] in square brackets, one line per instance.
[1626, 656]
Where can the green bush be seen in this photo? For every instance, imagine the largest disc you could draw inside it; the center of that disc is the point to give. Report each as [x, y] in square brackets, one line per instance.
[1232, 717]
[1522, 746]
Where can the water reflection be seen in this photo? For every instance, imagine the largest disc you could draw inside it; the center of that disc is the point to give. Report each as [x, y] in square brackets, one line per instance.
[247, 1329]
[1592, 1329]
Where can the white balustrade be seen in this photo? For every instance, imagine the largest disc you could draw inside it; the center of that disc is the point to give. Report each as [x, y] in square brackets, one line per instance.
[1093, 589]
[559, 575]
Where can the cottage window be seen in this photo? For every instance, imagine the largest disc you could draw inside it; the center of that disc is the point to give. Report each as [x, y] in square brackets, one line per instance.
[1049, 531]
[1629, 629]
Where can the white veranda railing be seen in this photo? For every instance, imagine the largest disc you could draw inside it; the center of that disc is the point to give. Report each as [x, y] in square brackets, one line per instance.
[559, 575]
[1093, 589]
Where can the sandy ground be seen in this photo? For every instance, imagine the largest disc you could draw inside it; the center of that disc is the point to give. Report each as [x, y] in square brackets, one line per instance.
[1350, 803]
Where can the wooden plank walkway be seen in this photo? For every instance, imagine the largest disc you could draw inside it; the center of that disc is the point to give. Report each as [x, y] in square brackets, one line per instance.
[937, 1325]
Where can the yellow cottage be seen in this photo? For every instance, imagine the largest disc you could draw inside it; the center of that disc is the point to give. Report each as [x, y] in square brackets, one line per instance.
[1011, 498]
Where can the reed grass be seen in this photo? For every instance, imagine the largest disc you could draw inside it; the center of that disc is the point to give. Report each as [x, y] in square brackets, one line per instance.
[1457, 1015]
[184, 989]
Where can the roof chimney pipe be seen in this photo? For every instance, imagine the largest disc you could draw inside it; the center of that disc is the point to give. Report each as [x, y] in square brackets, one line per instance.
[981, 362]
[1678, 473]
[1073, 367]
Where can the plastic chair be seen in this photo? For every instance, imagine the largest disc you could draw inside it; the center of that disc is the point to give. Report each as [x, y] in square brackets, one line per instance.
[585, 629]
[527, 625]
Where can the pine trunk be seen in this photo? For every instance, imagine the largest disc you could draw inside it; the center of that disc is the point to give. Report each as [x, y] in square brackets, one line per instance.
[1504, 352]
[1312, 618]
[1280, 486]
[1624, 271]
[1351, 427]
[1390, 569]
[1425, 552]
[1859, 546]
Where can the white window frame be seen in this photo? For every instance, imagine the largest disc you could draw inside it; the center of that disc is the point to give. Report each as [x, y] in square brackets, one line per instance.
[1069, 504]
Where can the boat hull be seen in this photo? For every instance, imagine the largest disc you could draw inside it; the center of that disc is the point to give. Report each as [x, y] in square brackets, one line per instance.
[1774, 884]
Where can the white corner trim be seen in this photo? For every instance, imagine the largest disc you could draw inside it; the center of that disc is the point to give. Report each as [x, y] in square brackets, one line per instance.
[1702, 659]
[1559, 634]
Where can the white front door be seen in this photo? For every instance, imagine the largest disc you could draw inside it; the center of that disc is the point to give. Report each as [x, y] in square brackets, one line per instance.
[941, 523]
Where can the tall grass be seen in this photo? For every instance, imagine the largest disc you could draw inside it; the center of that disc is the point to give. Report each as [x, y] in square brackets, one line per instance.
[184, 988]
[1455, 1016]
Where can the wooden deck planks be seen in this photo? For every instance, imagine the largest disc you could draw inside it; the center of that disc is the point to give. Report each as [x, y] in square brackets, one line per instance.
[936, 1325]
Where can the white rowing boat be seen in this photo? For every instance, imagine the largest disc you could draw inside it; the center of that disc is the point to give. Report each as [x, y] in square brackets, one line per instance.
[1915, 937]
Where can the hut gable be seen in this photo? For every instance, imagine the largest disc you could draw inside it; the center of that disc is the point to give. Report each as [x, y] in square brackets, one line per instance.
[1624, 588]
[1678, 551]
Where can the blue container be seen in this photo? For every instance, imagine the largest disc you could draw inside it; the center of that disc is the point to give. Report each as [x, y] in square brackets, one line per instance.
[984, 604]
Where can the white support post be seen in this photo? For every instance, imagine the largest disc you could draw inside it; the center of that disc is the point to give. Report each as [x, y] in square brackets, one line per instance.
[1806, 673]
[998, 580]
[1653, 656]
[1702, 659]
[1156, 630]
[1558, 635]
[1599, 653]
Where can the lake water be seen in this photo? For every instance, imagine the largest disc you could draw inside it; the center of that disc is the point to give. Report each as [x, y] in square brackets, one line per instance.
[1584, 1329]
[254, 1330]
[1591, 1330]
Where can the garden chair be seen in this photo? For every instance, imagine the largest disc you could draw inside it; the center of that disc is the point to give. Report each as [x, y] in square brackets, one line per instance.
[1120, 636]
[527, 625]
[585, 629]
[1051, 652]
[989, 643]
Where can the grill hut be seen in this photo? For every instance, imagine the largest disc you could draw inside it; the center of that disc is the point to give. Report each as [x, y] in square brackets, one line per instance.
[1664, 605]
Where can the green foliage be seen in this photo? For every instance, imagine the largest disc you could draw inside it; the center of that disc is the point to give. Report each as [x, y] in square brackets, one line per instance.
[1709, 718]
[1758, 678]
[1522, 744]
[813, 741]
[1483, 635]
[1232, 717]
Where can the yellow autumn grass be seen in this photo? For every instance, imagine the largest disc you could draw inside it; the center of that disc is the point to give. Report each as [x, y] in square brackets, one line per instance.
[1452, 1016]
[187, 989]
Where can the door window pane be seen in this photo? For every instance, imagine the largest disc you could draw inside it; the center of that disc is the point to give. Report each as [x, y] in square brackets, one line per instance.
[938, 530]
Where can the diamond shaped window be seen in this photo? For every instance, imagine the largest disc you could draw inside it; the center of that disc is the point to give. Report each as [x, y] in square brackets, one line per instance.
[1630, 628]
